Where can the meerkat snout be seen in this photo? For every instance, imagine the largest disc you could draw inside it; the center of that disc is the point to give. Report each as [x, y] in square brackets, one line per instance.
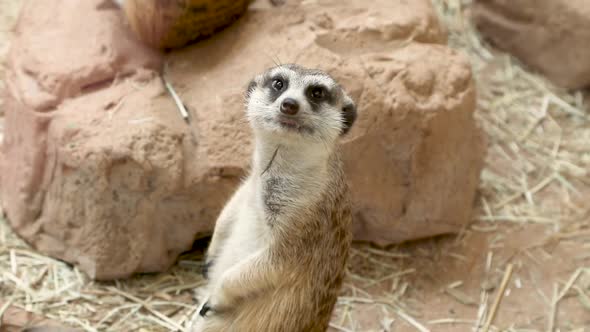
[289, 106]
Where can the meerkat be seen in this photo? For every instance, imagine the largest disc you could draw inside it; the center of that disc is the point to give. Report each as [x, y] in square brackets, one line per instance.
[277, 257]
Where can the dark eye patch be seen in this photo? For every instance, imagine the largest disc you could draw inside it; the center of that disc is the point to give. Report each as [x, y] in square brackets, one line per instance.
[276, 86]
[318, 94]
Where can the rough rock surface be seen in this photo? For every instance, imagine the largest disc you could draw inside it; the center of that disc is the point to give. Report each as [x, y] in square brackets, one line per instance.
[107, 175]
[53, 58]
[14, 319]
[549, 35]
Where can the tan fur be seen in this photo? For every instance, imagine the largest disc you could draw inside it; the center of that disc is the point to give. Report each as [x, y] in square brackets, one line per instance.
[281, 271]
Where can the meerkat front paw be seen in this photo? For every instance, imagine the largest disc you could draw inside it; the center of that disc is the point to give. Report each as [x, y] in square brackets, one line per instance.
[215, 303]
[219, 300]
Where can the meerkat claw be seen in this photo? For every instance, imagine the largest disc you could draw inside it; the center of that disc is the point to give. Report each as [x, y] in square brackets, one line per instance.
[205, 309]
[205, 269]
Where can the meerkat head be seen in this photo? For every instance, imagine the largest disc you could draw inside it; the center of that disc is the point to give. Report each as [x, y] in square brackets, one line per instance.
[299, 103]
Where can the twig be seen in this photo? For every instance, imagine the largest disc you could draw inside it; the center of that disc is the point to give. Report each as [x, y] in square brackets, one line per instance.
[412, 321]
[483, 308]
[386, 253]
[499, 297]
[13, 264]
[557, 296]
[3, 309]
[179, 104]
[569, 284]
[582, 297]
[553, 310]
[148, 307]
[339, 328]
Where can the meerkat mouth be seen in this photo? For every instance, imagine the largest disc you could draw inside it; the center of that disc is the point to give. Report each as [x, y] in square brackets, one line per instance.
[292, 125]
[289, 123]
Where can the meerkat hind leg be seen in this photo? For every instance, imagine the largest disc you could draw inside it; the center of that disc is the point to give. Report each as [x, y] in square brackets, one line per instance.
[248, 277]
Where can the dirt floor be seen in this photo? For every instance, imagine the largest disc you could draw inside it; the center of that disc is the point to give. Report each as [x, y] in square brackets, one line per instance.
[522, 265]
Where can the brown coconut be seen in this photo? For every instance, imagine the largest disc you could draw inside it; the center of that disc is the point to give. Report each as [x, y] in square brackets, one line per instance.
[165, 24]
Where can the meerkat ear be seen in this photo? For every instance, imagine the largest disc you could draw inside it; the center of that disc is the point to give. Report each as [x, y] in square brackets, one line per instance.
[251, 86]
[348, 115]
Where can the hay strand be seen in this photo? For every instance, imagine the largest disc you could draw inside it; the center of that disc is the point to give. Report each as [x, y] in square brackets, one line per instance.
[499, 297]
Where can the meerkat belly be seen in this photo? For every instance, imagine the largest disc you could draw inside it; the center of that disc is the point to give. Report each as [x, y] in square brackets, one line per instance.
[246, 237]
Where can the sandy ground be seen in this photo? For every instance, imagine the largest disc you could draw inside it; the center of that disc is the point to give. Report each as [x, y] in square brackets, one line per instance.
[531, 228]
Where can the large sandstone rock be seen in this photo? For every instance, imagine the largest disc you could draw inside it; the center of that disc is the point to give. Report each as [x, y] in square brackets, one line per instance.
[549, 35]
[115, 187]
[112, 179]
[415, 154]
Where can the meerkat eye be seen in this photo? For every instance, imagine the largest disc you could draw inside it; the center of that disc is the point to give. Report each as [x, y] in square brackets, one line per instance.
[318, 93]
[278, 84]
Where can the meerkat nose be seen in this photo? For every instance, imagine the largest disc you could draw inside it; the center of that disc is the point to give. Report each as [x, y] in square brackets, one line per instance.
[289, 106]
